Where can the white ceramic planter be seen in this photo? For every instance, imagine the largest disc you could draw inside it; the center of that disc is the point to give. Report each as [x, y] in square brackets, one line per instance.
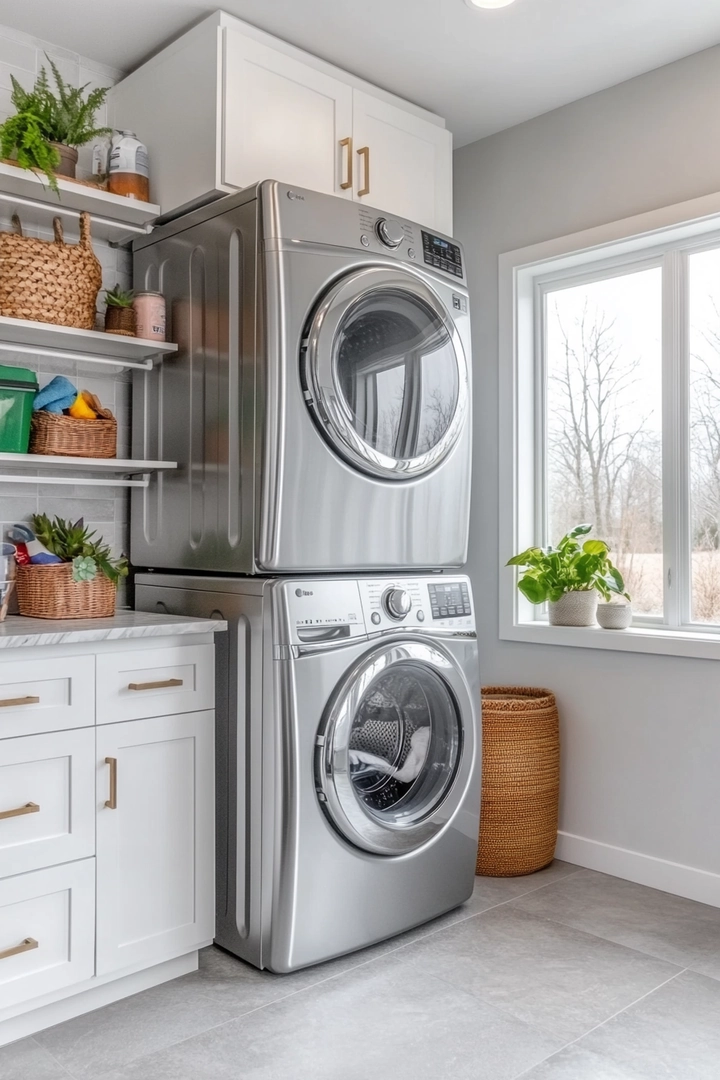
[574, 609]
[614, 616]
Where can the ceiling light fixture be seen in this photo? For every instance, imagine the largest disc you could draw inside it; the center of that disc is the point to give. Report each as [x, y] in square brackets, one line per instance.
[488, 3]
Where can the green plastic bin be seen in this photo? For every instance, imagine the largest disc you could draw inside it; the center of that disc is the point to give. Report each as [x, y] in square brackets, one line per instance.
[18, 387]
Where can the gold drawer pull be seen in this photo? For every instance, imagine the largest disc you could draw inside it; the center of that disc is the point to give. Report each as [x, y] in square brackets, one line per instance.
[154, 685]
[10, 702]
[28, 808]
[364, 152]
[111, 803]
[28, 944]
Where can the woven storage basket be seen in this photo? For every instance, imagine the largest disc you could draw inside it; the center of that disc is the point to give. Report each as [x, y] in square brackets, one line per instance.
[49, 592]
[49, 280]
[59, 435]
[520, 781]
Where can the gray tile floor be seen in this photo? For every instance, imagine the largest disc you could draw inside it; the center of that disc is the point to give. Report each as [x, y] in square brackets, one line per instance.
[564, 975]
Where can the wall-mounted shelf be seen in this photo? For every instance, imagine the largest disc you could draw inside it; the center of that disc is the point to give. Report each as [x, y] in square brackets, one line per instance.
[113, 217]
[114, 472]
[91, 346]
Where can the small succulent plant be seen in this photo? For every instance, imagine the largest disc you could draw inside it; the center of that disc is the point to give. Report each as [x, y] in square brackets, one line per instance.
[84, 568]
[73, 542]
[117, 297]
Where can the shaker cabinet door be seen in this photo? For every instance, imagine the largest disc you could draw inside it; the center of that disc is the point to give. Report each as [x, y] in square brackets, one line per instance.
[282, 119]
[403, 163]
[155, 839]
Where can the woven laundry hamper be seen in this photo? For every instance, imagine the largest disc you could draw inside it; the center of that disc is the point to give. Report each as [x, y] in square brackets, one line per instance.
[520, 781]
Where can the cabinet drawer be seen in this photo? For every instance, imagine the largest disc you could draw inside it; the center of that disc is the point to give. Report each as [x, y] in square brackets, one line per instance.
[47, 931]
[46, 695]
[156, 682]
[47, 800]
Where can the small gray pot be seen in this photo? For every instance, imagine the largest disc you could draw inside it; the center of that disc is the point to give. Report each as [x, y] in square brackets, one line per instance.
[574, 609]
[614, 616]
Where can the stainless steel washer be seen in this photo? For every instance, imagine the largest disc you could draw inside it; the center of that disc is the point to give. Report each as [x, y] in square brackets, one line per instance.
[348, 756]
[319, 407]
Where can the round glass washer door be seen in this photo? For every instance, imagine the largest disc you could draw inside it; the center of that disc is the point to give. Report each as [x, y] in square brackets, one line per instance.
[390, 749]
[385, 373]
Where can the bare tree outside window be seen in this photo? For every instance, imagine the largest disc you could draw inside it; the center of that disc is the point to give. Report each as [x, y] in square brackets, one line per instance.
[704, 292]
[603, 422]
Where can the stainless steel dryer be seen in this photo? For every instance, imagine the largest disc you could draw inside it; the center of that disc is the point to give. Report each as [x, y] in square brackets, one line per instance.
[348, 756]
[319, 407]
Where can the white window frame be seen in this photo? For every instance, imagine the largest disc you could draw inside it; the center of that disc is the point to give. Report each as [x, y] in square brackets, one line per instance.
[663, 237]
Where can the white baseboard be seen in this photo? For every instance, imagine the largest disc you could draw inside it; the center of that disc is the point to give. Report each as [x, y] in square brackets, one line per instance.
[660, 874]
[93, 996]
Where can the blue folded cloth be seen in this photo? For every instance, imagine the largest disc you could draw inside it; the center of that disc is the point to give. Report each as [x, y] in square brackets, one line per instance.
[59, 394]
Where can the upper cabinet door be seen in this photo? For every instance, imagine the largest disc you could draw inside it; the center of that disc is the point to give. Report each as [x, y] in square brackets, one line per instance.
[283, 120]
[403, 163]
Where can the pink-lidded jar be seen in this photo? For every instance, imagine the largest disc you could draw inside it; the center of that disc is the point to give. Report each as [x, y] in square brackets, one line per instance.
[150, 315]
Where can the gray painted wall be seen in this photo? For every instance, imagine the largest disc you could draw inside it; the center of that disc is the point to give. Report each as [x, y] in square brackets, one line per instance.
[641, 734]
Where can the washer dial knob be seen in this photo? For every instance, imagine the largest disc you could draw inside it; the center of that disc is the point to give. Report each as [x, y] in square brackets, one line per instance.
[390, 232]
[397, 603]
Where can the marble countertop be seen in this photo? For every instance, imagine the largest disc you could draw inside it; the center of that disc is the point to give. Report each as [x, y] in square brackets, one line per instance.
[17, 630]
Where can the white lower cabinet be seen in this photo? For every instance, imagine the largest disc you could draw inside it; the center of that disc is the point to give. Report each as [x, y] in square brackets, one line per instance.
[47, 931]
[47, 800]
[107, 819]
[155, 839]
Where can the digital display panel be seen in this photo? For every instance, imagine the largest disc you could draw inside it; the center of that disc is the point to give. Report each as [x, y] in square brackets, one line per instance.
[449, 601]
[442, 254]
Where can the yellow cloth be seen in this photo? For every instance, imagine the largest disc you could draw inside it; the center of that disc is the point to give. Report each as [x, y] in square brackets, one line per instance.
[81, 410]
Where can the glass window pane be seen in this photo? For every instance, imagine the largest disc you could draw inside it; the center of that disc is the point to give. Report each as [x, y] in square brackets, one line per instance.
[704, 293]
[604, 422]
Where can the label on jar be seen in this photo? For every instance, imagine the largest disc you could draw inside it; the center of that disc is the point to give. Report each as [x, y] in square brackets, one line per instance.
[129, 155]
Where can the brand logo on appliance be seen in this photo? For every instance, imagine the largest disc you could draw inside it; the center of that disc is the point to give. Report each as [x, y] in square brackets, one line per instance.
[295, 195]
[303, 592]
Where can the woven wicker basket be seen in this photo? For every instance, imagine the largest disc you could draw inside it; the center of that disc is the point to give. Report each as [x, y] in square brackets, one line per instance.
[520, 781]
[49, 592]
[59, 435]
[49, 280]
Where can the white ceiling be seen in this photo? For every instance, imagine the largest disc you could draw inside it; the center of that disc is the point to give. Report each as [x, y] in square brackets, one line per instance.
[482, 70]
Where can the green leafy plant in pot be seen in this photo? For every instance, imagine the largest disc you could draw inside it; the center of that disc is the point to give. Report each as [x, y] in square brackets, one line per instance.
[48, 127]
[569, 577]
[76, 544]
[120, 313]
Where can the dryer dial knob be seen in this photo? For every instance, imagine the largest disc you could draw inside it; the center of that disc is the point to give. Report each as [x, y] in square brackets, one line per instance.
[397, 603]
[389, 232]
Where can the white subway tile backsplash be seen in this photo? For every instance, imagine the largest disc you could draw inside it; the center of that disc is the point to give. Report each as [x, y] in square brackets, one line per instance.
[17, 53]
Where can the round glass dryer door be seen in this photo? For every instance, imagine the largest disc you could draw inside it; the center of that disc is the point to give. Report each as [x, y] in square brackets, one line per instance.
[389, 749]
[385, 373]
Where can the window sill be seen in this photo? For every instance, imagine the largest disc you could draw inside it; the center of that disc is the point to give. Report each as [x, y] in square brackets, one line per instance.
[702, 645]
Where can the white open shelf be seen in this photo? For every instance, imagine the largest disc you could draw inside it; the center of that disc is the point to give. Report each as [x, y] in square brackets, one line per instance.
[115, 472]
[113, 217]
[92, 346]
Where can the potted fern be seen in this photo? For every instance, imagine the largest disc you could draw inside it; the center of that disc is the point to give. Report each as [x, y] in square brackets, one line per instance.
[120, 313]
[569, 577]
[48, 127]
[82, 586]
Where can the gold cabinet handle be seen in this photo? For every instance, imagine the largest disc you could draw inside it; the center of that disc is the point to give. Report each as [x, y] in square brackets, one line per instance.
[28, 808]
[111, 803]
[27, 945]
[10, 702]
[348, 183]
[364, 153]
[154, 685]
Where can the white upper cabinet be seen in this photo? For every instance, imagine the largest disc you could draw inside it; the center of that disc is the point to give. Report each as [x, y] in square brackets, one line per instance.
[404, 163]
[226, 106]
[282, 120]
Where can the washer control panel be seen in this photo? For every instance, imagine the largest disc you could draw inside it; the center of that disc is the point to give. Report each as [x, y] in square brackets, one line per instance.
[441, 254]
[423, 603]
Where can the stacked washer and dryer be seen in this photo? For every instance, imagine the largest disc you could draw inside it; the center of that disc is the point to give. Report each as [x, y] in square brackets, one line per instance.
[319, 409]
